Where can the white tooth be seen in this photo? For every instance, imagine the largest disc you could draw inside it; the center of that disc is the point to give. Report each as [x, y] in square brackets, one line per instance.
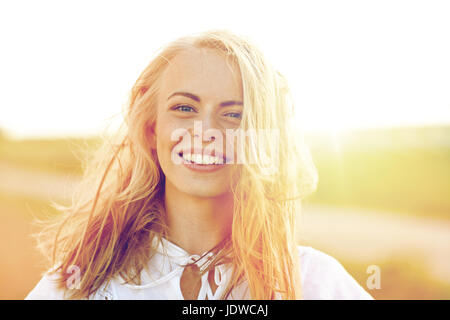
[187, 156]
[208, 160]
[216, 160]
[198, 158]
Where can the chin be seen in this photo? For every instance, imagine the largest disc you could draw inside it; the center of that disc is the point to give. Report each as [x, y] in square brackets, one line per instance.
[202, 185]
[204, 191]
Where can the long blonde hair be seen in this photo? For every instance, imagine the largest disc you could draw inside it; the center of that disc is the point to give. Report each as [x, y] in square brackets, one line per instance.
[118, 211]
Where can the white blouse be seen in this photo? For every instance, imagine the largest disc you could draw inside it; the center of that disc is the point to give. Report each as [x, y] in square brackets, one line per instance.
[323, 277]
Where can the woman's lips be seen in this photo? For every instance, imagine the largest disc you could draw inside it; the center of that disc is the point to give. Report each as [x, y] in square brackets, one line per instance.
[221, 158]
[202, 167]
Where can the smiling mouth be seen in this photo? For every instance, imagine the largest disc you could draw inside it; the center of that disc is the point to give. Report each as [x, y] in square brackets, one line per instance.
[200, 159]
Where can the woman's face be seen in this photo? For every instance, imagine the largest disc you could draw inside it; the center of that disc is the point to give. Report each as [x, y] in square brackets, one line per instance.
[199, 94]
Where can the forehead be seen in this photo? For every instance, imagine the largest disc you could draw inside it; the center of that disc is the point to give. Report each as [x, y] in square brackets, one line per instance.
[203, 72]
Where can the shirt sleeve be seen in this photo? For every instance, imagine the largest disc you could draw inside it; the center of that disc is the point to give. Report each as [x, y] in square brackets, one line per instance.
[324, 278]
[46, 289]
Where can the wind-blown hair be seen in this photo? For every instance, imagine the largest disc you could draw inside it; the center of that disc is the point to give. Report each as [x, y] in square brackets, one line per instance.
[117, 212]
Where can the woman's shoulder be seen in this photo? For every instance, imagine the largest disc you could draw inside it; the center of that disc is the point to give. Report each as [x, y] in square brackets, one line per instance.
[47, 288]
[324, 277]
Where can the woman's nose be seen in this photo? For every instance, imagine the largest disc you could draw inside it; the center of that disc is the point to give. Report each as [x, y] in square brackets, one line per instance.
[207, 127]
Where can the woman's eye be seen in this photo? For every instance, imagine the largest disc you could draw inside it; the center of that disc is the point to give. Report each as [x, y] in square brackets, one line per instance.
[236, 115]
[184, 108]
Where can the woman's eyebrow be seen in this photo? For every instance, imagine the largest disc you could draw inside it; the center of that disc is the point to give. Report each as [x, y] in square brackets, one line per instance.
[197, 98]
[230, 103]
[186, 94]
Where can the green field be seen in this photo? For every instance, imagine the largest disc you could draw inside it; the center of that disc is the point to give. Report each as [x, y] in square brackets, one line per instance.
[51, 155]
[406, 171]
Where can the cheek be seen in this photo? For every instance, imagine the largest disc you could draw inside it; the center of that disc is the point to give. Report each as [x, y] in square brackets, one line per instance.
[169, 133]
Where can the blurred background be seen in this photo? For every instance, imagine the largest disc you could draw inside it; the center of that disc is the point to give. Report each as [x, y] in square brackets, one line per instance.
[371, 82]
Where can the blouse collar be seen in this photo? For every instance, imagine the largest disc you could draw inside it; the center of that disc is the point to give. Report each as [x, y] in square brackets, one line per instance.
[169, 261]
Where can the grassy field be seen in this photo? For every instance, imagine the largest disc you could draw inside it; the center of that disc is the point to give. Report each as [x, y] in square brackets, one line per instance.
[401, 279]
[406, 171]
[50, 155]
[21, 264]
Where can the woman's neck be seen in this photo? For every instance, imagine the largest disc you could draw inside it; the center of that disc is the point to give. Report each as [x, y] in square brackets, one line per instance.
[197, 224]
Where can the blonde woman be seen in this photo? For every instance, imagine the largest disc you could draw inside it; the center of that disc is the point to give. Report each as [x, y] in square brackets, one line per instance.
[198, 195]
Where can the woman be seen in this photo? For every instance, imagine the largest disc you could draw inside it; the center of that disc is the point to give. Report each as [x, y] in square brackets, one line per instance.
[199, 198]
